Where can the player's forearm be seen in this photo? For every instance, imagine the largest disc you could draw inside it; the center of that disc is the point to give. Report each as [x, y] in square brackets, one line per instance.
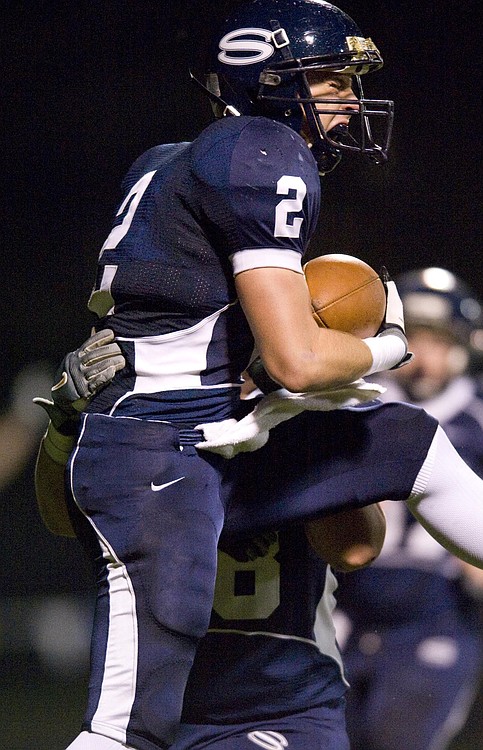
[334, 359]
[18, 445]
[82, 374]
[296, 353]
[49, 482]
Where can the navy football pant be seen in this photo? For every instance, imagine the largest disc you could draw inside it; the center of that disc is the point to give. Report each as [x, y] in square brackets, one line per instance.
[321, 728]
[151, 512]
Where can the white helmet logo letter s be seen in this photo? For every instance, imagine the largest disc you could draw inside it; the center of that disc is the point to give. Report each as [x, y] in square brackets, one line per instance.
[235, 50]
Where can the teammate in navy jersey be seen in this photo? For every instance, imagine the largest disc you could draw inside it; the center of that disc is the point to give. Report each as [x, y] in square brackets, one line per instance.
[415, 647]
[201, 270]
[269, 673]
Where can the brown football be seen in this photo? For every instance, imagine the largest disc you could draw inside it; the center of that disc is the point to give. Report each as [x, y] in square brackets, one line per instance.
[346, 293]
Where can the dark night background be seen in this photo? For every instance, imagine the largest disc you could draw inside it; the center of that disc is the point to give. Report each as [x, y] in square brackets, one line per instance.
[88, 86]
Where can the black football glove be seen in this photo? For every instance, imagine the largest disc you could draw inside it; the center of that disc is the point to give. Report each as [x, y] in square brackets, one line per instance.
[247, 549]
[393, 323]
[261, 378]
[80, 376]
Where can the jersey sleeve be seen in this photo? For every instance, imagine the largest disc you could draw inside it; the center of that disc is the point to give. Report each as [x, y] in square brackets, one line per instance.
[261, 191]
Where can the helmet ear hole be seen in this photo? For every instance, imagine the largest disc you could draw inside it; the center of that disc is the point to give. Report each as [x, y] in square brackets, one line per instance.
[269, 79]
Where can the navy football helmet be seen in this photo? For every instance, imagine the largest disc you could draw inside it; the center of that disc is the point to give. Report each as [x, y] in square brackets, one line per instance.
[436, 298]
[259, 65]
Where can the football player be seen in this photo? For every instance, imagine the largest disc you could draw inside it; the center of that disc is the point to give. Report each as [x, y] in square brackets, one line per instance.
[269, 673]
[418, 595]
[203, 268]
[272, 607]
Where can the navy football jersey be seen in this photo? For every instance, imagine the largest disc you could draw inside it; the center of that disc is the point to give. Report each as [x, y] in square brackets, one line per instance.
[245, 194]
[271, 648]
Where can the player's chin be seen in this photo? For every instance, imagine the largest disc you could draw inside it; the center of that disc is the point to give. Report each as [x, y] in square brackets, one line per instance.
[423, 388]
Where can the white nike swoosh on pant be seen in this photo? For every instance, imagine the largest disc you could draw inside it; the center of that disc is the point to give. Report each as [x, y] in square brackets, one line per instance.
[157, 487]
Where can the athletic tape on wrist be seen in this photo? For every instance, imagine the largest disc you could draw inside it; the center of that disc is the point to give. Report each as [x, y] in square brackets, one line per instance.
[58, 447]
[387, 351]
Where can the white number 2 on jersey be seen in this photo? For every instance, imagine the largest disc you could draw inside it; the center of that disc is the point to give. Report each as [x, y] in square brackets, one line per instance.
[284, 227]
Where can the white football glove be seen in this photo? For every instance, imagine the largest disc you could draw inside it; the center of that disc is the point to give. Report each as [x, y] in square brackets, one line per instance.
[393, 324]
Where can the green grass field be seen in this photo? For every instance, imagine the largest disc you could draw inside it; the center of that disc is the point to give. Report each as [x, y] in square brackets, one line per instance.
[38, 712]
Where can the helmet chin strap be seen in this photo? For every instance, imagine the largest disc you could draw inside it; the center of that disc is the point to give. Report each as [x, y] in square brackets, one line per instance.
[341, 134]
[220, 107]
[326, 156]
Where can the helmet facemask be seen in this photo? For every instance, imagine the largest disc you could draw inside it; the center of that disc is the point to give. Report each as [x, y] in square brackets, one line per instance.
[286, 88]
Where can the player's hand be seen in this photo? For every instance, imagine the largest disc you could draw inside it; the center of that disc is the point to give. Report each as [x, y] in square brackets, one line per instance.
[80, 376]
[248, 549]
[87, 369]
[393, 324]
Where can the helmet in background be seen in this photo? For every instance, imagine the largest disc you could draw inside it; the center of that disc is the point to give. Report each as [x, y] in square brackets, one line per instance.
[436, 298]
